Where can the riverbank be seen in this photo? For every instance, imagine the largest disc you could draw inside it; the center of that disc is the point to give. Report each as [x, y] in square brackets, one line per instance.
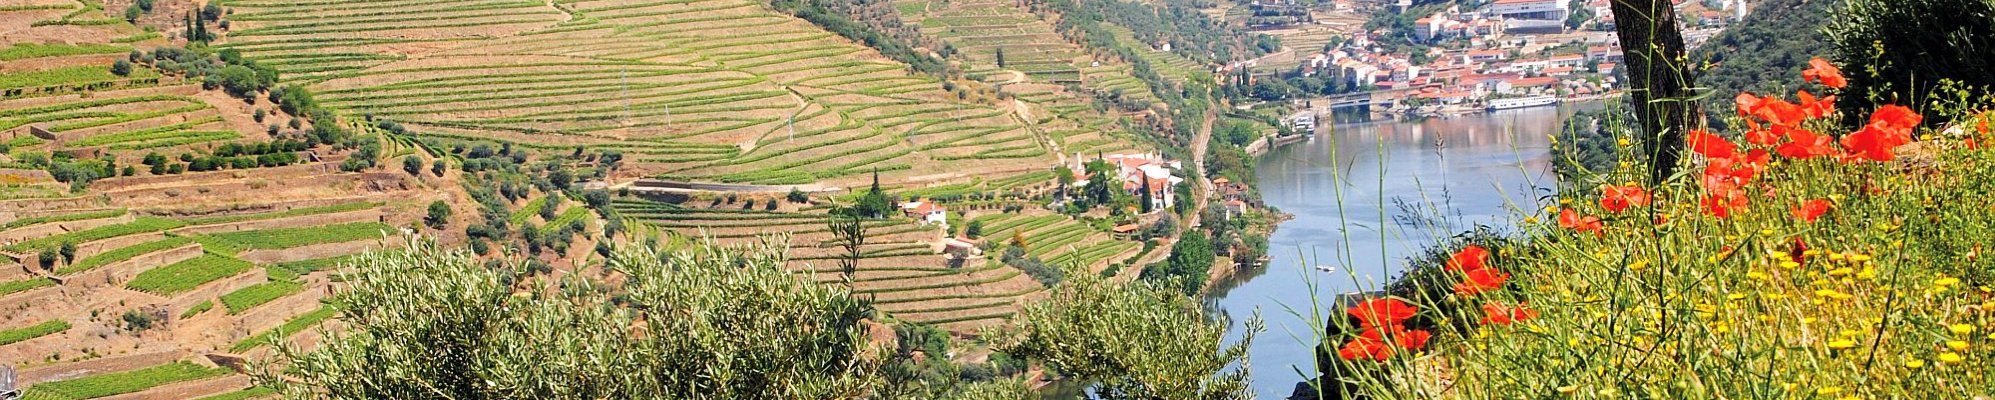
[1381, 169]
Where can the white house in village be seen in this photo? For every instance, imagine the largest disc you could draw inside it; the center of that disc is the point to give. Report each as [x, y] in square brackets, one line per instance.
[927, 212]
[1134, 169]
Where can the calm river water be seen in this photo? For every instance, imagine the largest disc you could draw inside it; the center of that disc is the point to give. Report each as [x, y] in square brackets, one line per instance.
[1475, 167]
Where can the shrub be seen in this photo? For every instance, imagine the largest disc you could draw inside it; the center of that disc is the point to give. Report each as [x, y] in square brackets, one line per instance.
[1895, 51]
[783, 336]
[439, 214]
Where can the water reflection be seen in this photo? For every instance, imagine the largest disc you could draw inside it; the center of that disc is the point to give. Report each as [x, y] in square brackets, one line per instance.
[1395, 178]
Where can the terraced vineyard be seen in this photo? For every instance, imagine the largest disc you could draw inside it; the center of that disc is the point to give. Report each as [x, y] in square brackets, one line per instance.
[671, 84]
[135, 265]
[147, 226]
[982, 29]
[902, 267]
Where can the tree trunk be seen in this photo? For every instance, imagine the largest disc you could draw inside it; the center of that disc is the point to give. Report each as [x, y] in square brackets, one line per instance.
[1659, 81]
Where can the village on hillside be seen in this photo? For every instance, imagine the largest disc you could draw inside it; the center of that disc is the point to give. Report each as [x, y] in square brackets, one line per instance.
[1397, 58]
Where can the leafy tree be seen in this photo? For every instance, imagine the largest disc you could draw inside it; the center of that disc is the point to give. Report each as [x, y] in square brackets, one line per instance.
[430, 323]
[1187, 266]
[974, 229]
[1135, 341]
[1099, 190]
[874, 204]
[1065, 176]
[850, 233]
[121, 67]
[1895, 51]
[439, 214]
[48, 257]
[797, 196]
[413, 165]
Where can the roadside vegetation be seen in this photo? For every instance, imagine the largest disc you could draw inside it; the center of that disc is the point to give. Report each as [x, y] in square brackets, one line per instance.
[1797, 258]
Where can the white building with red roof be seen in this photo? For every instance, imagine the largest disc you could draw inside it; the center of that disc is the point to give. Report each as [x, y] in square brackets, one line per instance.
[927, 212]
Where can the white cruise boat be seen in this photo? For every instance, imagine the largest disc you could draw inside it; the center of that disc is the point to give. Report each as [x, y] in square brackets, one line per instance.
[1522, 102]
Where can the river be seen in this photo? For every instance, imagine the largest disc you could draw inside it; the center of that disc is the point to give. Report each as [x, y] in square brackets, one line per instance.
[1476, 167]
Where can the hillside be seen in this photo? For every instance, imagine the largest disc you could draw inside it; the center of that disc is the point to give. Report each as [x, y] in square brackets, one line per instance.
[174, 207]
[1764, 53]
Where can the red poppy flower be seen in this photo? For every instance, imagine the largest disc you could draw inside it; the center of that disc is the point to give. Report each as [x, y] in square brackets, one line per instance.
[1721, 205]
[1709, 145]
[1896, 118]
[1810, 210]
[1469, 258]
[1410, 339]
[1362, 348]
[1803, 144]
[1381, 312]
[1821, 71]
[1816, 108]
[1745, 103]
[1798, 251]
[1780, 112]
[1763, 137]
[1499, 314]
[1874, 142]
[1481, 280]
[1571, 219]
[1617, 198]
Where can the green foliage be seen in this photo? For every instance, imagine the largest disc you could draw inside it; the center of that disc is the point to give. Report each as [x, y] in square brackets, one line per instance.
[1763, 53]
[302, 211]
[284, 238]
[439, 214]
[22, 51]
[1016, 257]
[1188, 265]
[122, 382]
[46, 328]
[245, 394]
[121, 254]
[1589, 144]
[1135, 341]
[290, 327]
[137, 226]
[824, 14]
[187, 275]
[61, 218]
[250, 297]
[197, 309]
[17, 286]
[1894, 51]
[762, 332]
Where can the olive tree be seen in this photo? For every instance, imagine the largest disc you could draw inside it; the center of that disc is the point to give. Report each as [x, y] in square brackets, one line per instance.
[1139, 340]
[703, 322]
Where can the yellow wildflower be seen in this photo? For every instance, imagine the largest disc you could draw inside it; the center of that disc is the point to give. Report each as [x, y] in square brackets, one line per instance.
[1957, 345]
[1961, 329]
[1951, 358]
[1840, 344]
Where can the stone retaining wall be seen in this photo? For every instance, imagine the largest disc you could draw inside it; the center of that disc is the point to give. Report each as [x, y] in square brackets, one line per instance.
[118, 273]
[367, 215]
[55, 228]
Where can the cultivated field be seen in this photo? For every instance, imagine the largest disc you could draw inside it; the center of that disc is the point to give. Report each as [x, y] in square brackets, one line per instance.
[674, 85]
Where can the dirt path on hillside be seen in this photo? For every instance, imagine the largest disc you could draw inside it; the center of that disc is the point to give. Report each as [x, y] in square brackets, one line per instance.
[1198, 145]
